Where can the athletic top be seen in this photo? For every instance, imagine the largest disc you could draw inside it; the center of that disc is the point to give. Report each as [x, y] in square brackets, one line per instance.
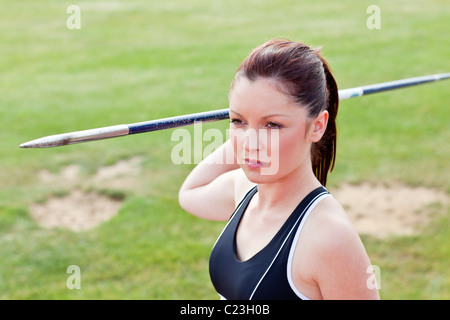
[267, 275]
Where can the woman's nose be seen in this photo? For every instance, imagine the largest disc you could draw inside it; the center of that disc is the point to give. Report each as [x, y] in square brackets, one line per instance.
[252, 141]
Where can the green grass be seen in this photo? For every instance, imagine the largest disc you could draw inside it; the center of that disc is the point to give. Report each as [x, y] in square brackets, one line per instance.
[138, 60]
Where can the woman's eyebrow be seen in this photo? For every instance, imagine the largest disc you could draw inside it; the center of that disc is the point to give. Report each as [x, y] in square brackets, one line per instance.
[276, 115]
[266, 116]
[236, 113]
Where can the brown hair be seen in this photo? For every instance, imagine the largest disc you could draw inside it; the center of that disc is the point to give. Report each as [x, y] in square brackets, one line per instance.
[305, 76]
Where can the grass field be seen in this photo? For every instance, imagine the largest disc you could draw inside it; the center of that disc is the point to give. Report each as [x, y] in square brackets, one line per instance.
[139, 60]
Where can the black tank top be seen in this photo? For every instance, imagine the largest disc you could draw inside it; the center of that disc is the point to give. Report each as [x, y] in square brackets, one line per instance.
[266, 275]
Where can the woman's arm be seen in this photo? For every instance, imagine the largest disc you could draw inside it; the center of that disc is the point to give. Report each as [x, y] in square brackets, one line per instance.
[209, 191]
[338, 264]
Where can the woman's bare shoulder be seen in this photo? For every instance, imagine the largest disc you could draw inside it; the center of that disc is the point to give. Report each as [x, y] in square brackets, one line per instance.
[340, 259]
[331, 226]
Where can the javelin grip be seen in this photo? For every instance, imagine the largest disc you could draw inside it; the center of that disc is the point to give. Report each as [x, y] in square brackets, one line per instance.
[179, 121]
[185, 120]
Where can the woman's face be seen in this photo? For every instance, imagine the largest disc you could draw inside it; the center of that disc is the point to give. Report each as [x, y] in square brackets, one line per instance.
[270, 134]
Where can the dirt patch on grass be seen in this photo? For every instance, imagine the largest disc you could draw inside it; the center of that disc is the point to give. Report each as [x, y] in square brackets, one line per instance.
[76, 211]
[79, 210]
[395, 209]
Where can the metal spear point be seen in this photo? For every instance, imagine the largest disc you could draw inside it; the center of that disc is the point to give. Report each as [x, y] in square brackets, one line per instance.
[185, 120]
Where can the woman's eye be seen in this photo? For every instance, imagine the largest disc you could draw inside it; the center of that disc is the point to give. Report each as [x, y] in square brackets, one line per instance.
[273, 125]
[236, 122]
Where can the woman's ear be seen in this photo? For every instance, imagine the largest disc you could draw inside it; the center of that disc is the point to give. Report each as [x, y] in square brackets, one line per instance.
[318, 126]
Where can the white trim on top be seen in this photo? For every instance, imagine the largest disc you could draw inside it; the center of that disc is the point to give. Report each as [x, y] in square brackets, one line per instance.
[294, 244]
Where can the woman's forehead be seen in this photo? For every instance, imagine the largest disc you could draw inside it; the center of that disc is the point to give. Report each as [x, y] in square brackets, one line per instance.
[262, 97]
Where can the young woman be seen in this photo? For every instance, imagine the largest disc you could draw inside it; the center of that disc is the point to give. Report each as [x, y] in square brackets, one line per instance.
[286, 237]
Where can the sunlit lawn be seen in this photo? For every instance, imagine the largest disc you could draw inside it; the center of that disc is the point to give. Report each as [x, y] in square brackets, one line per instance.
[140, 60]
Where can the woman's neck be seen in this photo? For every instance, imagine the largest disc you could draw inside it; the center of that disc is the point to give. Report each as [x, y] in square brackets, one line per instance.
[287, 191]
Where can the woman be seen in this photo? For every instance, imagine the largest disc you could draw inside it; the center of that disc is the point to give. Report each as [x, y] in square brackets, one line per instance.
[287, 237]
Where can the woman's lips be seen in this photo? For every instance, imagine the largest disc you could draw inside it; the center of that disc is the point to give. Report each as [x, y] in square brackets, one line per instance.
[255, 164]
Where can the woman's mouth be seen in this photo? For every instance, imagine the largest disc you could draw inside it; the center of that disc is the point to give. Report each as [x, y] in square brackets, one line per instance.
[255, 164]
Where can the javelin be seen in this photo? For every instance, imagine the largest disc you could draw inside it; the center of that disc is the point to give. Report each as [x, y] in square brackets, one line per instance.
[185, 120]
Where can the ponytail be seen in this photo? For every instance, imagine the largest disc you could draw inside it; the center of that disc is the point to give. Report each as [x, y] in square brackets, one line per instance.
[323, 152]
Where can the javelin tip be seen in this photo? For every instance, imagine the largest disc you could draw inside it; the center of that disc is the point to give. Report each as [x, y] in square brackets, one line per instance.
[78, 137]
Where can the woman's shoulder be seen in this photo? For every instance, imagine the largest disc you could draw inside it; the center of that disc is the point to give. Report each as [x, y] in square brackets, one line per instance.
[330, 223]
[340, 262]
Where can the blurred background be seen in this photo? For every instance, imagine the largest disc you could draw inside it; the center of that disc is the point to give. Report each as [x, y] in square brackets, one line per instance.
[110, 207]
